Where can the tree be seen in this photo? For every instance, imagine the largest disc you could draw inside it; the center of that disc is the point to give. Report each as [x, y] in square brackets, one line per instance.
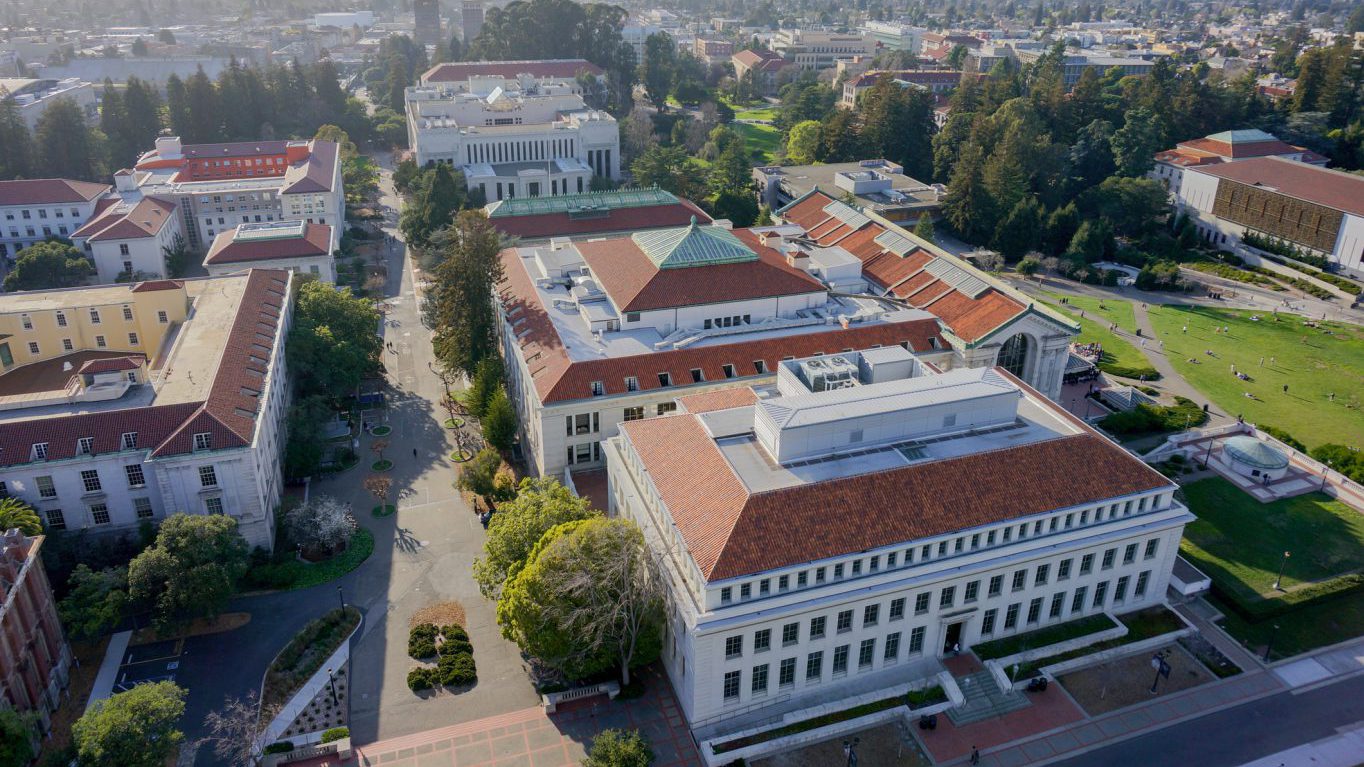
[483, 476]
[139, 47]
[333, 343]
[16, 739]
[165, 36]
[16, 145]
[731, 171]
[668, 168]
[322, 524]
[967, 207]
[437, 194]
[659, 68]
[405, 175]
[176, 256]
[540, 504]
[1018, 233]
[619, 748]
[803, 142]
[48, 266]
[588, 599]
[739, 208]
[484, 385]
[136, 728]
[897, 124]
[470, 266]
[65, 144]
[499, 422]
[235, 730]
[15, 513]
[379, 486]
[191, 570]
[203, 110]
[303, 452]
[95, 602]
[379, 446]
[1135, 144]
[1091, 241]
[924, 229]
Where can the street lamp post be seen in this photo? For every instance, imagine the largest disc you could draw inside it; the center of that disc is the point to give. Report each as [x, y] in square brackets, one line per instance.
[1282, 564]
[1269, 646]
[1325, 473]
[850, 748]
[332, 681]
[341, 595]
[1158, 663]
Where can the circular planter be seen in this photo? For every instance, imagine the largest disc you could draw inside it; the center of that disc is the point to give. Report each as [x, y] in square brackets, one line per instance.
[386, 510]
[381, 431]
[383, 465]
[460, 456]
[454, 423]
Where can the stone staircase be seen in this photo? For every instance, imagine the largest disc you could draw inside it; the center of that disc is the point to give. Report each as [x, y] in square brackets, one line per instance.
[984, 699]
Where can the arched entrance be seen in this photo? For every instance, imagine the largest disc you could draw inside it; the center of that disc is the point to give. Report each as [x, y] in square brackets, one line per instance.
[1013, 356]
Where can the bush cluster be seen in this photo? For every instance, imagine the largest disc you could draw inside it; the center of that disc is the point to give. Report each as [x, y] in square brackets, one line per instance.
[334, 734]
[421, 641]
[1144, 419]
[450, 644]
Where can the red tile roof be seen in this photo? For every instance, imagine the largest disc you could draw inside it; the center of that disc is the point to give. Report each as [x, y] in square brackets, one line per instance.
[460, 71]
[48, 191]
[635, 284]
[1332, 188]
[722, 399]
[315, 173]
[151, 285]
[903, 277]
[731, 533]
[762, 60]
[112, 364]
[557, 378]
[119, 221]
[544, 225]
[152, 425]
[316, 241]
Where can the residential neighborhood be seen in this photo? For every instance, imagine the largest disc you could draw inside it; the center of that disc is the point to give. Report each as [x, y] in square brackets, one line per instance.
[559, 383]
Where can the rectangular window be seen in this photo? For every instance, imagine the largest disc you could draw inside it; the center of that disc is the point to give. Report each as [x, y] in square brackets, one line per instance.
[634, 413]
[760, 367]
[99, 512]
[845, 621]
[866, 653]
[1151, 548]
[631, 383]
[728, 370]
[1077, 602]
[1086, 564]
[1142, 580]
[1020, 580]
[921, 603]
[666, 407]
[764, 587]
[90, 479]
[1035, 610]
[947, 597]
[892, 650]
[786, 674]
[746, 591]
[987, 622]
[890, 561]
[762, 640]
[162, 318]
[1100, 592]
[972, 591]
[996, 586]
[1011, 617]
[734, 647]
[841, 659]
[132, 339]
[790, 633]
[213, 505]
[128, 441]
[1120, 591]
[732, 684]
[143, 507]
[665, 379]
[871, 615]
[897, 609]
[1129, 554]
[802, 579]
[203, 441]
[85, 446]
[857, 567]
[61, 319]
[1040, 579]
[94, 316]
[208, 477]
[838, 572]
[819, 575]
[916, 641]
[726, 595]
[33, 348]
[817, 627]
[128, 312]
[135, 477]
[814, 666]
[1058, 601]
[697, 376]
[55, 519]
[1063, 570]
[759, 685]
[598, 389]
[45, 487]
[1109, 556]
[784, 583]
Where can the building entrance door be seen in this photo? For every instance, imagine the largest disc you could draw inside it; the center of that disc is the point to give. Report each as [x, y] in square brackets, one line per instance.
[953, 637]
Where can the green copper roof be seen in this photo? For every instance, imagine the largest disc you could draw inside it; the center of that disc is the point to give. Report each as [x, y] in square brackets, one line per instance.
[692, 246]
[581, 203]
[1242, 136]
[1253, 452]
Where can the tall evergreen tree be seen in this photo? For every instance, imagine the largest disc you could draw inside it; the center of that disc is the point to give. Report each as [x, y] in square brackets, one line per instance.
[142, 115]
[204, 110]
[113, 120]
[967, 206]
[177, 106]
[16, 146]
[470, 267]
[65, 144]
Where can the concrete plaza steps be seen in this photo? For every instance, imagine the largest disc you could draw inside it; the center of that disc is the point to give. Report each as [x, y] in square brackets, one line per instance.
[984, 699]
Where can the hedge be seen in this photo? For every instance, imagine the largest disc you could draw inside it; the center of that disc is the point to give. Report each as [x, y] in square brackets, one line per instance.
[457, 670]
[421, 641]
[335, 734]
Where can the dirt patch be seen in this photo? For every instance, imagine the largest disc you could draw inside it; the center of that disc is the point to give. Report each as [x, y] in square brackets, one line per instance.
[1125, 682]
[889, 743]
[439, 614]
[88, 656]
[197, 627]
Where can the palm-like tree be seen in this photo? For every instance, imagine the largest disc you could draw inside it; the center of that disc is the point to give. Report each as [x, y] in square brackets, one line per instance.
[15, 513]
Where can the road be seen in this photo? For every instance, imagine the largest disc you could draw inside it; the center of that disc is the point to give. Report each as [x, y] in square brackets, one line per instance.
[1239, 734]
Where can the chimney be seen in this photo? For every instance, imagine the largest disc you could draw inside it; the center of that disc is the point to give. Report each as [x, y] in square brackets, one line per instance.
[168, 147]
[125, 181]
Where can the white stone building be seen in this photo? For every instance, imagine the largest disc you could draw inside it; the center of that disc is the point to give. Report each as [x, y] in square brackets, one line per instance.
[128, 237]
[526, 135]
[31, 210]
[819, 49]
[33, 97]
[833, 535]
[1227, 146]
[126, 403]
[294, 246]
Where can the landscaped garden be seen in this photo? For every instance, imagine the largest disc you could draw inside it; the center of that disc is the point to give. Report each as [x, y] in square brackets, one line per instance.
[1143, 624]
[1240, 544]
[1043, 637]
[1120, 357]
[306, 653]
[913, 698]
[1313, 362]
[762, 141]
[451, 650]
[1126, 681]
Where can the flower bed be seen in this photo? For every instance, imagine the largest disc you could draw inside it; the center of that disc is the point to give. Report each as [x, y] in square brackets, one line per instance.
[304, 654]
[931, 694]
[382, 465]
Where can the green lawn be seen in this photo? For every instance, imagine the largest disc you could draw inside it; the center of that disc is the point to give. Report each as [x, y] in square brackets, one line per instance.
[1305, 628]
[1120, 357]
[762, 141]
[1117, 310]
[761, 113]
[1240, 542]
[1311, 361]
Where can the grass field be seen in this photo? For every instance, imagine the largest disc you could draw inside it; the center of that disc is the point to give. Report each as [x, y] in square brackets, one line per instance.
[1240, 541]
[1313, 362]
[1110, 309]
[1120, 357]
[762, 141]
[760, 113]
[1305, 628]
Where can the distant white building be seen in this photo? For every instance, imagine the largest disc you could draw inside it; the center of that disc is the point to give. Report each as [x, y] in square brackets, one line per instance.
[895, 36]
[515, 129]
[817, 49]
[1227, 146]
[836, 533]
[128, 237]
[344, 20]
[34, 96]
[31, 210]
[294, 246]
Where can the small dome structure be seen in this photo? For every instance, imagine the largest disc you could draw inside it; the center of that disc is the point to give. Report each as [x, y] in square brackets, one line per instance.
[1252, 458]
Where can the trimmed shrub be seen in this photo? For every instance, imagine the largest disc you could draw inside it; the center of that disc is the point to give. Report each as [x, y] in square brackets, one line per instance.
[335, 734]
[1284, 437]
[454, 631]
[619, 748]
[421, 641]
[457, 670]
[422, 678]
[456, 647]
[280, 747]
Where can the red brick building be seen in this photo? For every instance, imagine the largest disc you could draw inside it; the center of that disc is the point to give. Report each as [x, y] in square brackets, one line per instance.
[34, 658]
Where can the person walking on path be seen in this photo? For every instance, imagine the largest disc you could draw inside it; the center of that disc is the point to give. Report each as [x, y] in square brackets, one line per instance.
[975, 755]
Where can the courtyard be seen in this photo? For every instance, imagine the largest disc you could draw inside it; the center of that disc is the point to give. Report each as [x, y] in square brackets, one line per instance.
[887, 744]
[1127, 681]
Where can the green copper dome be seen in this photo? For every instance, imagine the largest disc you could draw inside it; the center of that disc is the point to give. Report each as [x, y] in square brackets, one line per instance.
[693, 246]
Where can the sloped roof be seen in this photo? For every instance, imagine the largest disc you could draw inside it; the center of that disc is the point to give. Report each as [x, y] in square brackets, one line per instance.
[48, 191]
[121, 220]
[112, 364]
[1332, 188]
[692, 245]
[315, 173]
[314, 241]
[459, 71]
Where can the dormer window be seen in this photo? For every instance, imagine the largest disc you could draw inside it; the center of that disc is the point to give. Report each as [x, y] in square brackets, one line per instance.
[697, 376]
[598, 388]
[728, 370]
[128, 441]
[760, 366]
[85, 446]
[203, 441]
[665, 379]
[39, 452]
[631, 383]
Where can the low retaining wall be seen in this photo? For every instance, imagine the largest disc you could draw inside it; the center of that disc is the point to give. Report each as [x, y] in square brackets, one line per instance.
[551, 700]
[778, 745]
[341, 748]
[999, 667]
[1121, 651]
[305, 694]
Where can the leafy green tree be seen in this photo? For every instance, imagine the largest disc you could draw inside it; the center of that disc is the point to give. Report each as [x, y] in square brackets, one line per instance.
[668, 168]
[588, 599]
[484, 385]
[437, 195]
[1133, 206]
[619, 748]
[47, 266]
[499, 422]
[967, 207]
[740, 208]
[398, 79]
[96, 601]
[16, 739]
[139, 47]
[16, 145]
[15, 513]
[303, 452]
[166, 36]
[483, 476]
[177, 106]
[540, 504]
[1135, 144]
[841, 137]
[66, 146]
[731, 171]
[334, 343]
[924, 229]
[803, 142]
[659, 68]
[176, 256]
[462, 295]
[142, 108]
[405, 175]
[897, 124]
[192, 569]
[764, 216]
[1091, 241]
[137, 728]
[1061, 225]
[1019, 231]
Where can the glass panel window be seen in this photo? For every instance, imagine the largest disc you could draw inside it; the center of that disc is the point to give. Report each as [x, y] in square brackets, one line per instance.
[1100, 592]
[1011, 617]
[790, 633]
[732, 680]
[99, 513]
[1058, 601]
[1120, 591]
[786, 674]
[1142, 580]
[845, 621]
[921, 603]
[972, 591]
[214, 505]
[841, 659]
[1063, 570]
[759, 685]
[634, 413]
[1129, 554]
[1035, 610]
[1086, 564]
[814, 666]
[1020, 580]
[90, 479]
[897, 609]
[1077, 602]
[947, 597]
[871, 615]
[916, 641]
[45, 487]
[762, 640]
[996, 586]
[55, 519]
[865, 653]
[208, 476]
[987, 622]
[1151, 548]
[817, 627]
[1109, 556]
[143, 507]
[135, 476]
[892, 650]
[734, 647]
[726, 595]
[1040, 579]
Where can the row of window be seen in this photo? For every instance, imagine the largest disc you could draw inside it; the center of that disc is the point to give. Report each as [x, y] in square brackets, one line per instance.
[942, 548]
[32, 233]
[55, 519]
[26, 320]
[27, 214]
[814, 664]
[100, 343]
[218, 198]
[127, 441]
